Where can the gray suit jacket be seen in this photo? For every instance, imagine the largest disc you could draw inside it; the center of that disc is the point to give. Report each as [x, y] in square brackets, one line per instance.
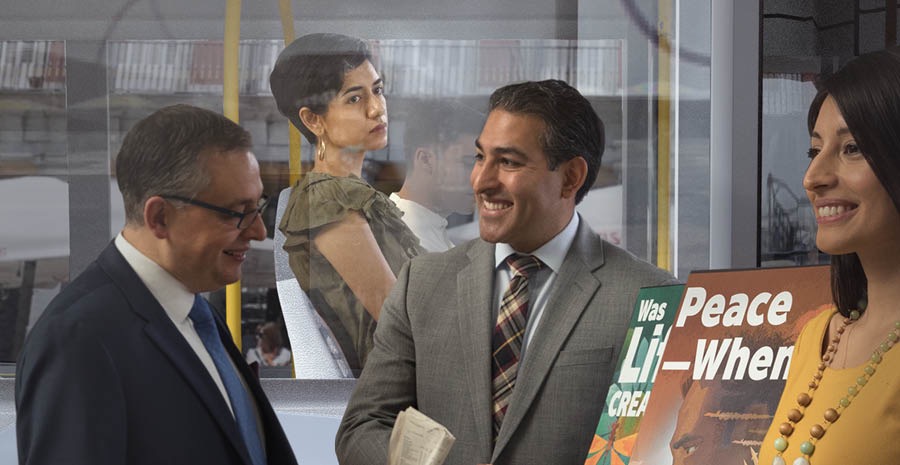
[433, 351]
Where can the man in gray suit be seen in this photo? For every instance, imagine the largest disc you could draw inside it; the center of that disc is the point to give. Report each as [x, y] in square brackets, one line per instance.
[512, 353]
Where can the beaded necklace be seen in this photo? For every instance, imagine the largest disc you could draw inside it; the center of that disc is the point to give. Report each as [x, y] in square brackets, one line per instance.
[831, 415]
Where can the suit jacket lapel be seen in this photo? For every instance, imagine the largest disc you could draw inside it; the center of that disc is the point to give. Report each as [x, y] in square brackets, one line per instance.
[574, 288]
[474, 290]
[171, 343]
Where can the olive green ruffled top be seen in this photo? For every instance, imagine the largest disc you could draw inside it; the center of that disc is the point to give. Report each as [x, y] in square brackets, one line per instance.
[317, 200]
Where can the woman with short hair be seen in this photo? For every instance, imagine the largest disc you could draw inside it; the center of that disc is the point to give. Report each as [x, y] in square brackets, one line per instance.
[346, 241]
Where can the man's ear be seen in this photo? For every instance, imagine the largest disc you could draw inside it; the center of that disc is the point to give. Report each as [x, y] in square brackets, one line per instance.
[574, 176]
[424, 160]
[312, 121]
[157, 214]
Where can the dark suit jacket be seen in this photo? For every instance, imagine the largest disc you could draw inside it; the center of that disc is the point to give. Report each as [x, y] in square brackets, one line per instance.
[433, 351]
[106, 378]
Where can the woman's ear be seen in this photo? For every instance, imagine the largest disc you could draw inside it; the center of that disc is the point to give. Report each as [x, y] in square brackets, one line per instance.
[312, 121]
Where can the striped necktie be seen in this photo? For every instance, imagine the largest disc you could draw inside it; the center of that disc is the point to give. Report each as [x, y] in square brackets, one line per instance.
[241, 405]
[509, 333]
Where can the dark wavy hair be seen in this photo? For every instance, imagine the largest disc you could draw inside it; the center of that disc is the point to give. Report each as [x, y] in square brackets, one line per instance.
[310, 72]
[867, 93]
[571, 126]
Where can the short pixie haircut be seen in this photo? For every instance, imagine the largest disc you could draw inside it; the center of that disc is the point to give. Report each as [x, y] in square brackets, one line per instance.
[310, 72]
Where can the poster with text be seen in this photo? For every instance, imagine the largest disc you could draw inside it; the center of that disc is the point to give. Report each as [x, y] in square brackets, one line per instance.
[725, 363]
[626, 401]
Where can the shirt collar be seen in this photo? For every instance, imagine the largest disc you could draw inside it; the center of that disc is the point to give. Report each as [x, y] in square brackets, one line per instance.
[172, 295]
[553, 253]
[418, 212]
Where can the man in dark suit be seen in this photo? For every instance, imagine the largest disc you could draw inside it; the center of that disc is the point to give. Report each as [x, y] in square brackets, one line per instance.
[128, 364]
[509, 340]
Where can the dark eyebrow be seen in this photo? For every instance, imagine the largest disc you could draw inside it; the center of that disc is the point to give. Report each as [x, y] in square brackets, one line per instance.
[509, 151]
[684, 439]
[356, 88]
[502, 150]
[841, 132]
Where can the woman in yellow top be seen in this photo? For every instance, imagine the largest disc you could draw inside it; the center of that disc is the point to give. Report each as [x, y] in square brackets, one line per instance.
[840, 404]
[345, 240]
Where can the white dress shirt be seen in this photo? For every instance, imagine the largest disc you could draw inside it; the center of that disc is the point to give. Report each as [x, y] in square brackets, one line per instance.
[540, 282]
[428, 226]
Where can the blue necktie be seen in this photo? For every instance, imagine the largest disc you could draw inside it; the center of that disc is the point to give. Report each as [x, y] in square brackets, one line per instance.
[244, 416]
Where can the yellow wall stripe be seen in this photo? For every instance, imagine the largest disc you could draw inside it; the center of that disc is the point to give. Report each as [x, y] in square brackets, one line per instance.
[663, 137]
[287, 25]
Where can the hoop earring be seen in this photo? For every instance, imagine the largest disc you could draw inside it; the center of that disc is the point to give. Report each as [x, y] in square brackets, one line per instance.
[320, 150]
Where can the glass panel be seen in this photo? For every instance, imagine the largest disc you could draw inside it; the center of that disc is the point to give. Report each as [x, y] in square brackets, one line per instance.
[690, 192]
[147, 75]
[665, 110]
[788, 225]
[34, 237]
[655, 107]
[803, 42]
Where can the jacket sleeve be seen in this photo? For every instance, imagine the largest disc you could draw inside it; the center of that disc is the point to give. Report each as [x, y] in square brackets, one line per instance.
[387, 384]
[69, 401]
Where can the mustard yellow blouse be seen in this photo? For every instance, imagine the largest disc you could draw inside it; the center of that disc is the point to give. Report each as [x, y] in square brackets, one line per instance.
[867, 432]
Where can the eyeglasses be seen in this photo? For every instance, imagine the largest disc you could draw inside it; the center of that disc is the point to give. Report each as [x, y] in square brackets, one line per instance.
[244, 219]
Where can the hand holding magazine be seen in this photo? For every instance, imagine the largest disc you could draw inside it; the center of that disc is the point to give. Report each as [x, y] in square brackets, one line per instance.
[418, 440]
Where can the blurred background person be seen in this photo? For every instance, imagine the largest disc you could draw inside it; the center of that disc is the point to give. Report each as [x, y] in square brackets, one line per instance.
[839, 403]
[439, 143]
[345, 240]
[269, 350]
